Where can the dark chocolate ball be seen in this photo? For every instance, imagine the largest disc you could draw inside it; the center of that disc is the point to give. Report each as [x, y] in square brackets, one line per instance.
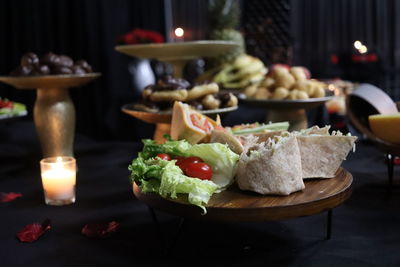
[78, 70]
[65, 61]
[84, 65]
[30, 59]
[176, 83]
[41, 70]
[50, 59]
[21, 71]
[61, 70]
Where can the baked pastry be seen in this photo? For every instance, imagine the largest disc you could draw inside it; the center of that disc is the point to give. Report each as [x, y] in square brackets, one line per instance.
[202, 90]
[210, 102]
[284, 82]
[168, 95]
[204, 96]
[227, 100]
[167, 90]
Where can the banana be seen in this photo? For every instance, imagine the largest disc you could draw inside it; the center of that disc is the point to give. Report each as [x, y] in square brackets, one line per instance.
[242, 72]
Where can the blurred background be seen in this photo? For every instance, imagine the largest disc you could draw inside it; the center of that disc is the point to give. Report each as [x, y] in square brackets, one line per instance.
[320, 35]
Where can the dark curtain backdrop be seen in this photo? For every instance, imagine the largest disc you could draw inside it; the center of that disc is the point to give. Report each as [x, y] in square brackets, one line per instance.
[192, 17]
[86, 29]
[322, 28]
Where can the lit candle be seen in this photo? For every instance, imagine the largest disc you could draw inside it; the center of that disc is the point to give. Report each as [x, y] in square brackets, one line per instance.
[58, 180]
[179, 33]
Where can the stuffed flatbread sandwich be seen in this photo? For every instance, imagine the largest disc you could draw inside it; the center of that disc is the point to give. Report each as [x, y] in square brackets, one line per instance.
[271, 167]
[322, 153]
[235, 137]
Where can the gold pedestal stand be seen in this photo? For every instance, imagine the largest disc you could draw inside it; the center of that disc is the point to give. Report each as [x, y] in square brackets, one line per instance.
[178, 54]
[54, 111]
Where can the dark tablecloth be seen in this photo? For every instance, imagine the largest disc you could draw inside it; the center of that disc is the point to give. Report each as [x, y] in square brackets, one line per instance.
[366, 228]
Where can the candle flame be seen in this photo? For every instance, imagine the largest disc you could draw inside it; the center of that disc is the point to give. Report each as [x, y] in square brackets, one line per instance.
[357, 44]
[57, 165]
[363, 49]
[179, 32]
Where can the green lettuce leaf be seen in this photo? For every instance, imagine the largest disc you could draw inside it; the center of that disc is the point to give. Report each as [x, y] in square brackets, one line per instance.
[173, 148]
[153, 174]
[221, 159]
[165, 178]
[174, 182]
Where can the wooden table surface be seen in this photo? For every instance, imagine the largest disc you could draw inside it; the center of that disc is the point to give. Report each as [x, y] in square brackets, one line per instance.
[234, 205]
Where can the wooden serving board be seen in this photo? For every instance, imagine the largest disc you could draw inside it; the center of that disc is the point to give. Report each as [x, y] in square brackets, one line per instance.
[234, 205]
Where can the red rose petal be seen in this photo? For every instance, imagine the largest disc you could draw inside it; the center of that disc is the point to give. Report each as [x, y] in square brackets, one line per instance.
[32, 232]
[100, 229]
[7, 197]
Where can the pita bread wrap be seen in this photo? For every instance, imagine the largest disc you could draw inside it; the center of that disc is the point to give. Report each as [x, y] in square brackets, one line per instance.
[235, 142]
[322, 153]
[272, 167]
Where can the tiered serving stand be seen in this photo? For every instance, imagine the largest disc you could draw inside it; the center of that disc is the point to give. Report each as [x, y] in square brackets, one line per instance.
[233, 204]
[54, 111]
[177, 54]
[162, 120]
[292, 111]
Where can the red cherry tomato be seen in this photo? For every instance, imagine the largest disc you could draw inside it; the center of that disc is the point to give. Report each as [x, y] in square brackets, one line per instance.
[164, 156]
[184, 162]
[6, 104]
[199, 170]
[179, 158]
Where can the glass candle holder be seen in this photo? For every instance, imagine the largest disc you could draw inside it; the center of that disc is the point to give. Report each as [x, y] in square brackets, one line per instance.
[58, 180]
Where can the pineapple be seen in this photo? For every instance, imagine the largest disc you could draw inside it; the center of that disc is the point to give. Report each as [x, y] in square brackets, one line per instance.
[224, 18]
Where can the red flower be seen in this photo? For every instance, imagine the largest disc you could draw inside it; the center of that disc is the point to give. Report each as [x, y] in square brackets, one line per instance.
[32, 232]
[7, 197]
[101, 229]
[140, 36]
